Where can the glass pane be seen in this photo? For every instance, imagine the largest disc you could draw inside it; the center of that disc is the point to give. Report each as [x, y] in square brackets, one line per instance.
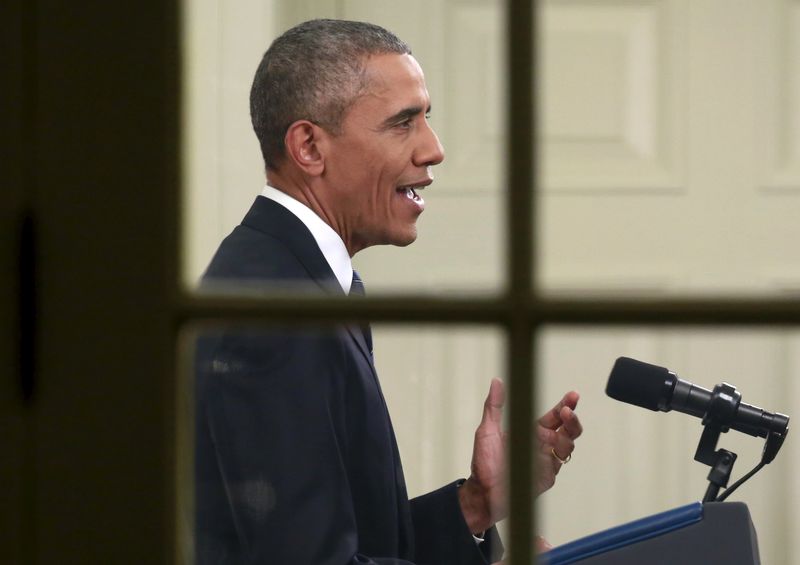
[460, 245]
[632, 462]
[670, 148]
[284, 441]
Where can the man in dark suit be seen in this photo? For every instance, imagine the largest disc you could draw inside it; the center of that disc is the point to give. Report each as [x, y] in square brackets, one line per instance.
[296, 459]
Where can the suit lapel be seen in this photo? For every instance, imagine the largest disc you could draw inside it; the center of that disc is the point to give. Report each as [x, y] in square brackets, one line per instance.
[358, 336]
[269, 217]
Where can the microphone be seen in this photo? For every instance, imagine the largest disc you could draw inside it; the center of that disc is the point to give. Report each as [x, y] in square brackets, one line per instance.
[656, 388]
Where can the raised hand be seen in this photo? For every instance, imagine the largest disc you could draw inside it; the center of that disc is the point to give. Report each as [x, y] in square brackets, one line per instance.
[483, 495]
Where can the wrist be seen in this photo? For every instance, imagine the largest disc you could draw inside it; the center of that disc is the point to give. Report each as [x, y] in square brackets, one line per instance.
[474, 507]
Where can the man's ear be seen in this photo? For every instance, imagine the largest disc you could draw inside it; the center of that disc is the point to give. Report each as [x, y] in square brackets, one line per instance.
[302, 147]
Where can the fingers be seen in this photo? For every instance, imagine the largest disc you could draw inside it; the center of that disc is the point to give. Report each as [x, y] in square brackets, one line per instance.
[561, 440]
[493, 406]
[542, 544]
[571, 424]
[562, 443]
[546, 436]
[552, 419]
[563, 447]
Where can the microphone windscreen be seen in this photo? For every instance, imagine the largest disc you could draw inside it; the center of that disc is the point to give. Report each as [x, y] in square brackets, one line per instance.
[638, 383]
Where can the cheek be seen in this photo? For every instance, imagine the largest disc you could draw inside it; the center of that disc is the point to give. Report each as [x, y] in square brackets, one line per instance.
[376, 171]
[395, 172]
[390, 198]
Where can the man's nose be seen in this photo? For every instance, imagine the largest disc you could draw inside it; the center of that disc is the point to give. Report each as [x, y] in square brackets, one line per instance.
[430, 151]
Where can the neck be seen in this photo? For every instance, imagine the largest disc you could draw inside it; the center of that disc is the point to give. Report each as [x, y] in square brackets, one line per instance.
[309, 193]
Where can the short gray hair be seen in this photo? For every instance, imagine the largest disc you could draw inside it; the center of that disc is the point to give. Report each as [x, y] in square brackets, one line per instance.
[314, 72]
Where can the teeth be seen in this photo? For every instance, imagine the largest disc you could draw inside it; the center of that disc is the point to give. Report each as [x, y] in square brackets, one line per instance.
[411, 191]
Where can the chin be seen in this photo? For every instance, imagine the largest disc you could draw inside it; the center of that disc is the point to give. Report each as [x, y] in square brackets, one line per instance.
[404, 239]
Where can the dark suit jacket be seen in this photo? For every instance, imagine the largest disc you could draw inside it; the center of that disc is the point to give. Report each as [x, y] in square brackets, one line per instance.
[296, 460]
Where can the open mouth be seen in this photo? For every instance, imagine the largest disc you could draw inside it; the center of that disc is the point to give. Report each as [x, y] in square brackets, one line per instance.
[412, 191]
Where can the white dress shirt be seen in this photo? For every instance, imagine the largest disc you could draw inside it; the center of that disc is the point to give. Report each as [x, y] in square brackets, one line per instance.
[329, 242]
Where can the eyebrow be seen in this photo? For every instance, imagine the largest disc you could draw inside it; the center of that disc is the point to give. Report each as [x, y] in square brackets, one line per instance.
[404, 114]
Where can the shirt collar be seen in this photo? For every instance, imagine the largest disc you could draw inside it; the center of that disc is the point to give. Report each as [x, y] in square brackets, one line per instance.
[329, 242]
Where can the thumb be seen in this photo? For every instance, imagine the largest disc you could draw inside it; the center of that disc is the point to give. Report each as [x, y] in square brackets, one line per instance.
[493, 406]
[542, 544]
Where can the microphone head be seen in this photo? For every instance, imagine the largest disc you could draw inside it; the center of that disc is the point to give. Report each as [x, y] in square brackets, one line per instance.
[641, 384]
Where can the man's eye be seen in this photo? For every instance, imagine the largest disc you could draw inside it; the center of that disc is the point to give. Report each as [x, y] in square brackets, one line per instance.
[404, 124]
[428, 116]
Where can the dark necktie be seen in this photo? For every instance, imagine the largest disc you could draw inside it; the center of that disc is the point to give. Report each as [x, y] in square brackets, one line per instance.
[357, 289]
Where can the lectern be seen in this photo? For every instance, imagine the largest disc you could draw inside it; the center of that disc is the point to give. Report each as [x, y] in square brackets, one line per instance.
[696, 534]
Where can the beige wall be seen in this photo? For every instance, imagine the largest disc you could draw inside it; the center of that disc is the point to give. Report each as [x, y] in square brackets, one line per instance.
[671, 165]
